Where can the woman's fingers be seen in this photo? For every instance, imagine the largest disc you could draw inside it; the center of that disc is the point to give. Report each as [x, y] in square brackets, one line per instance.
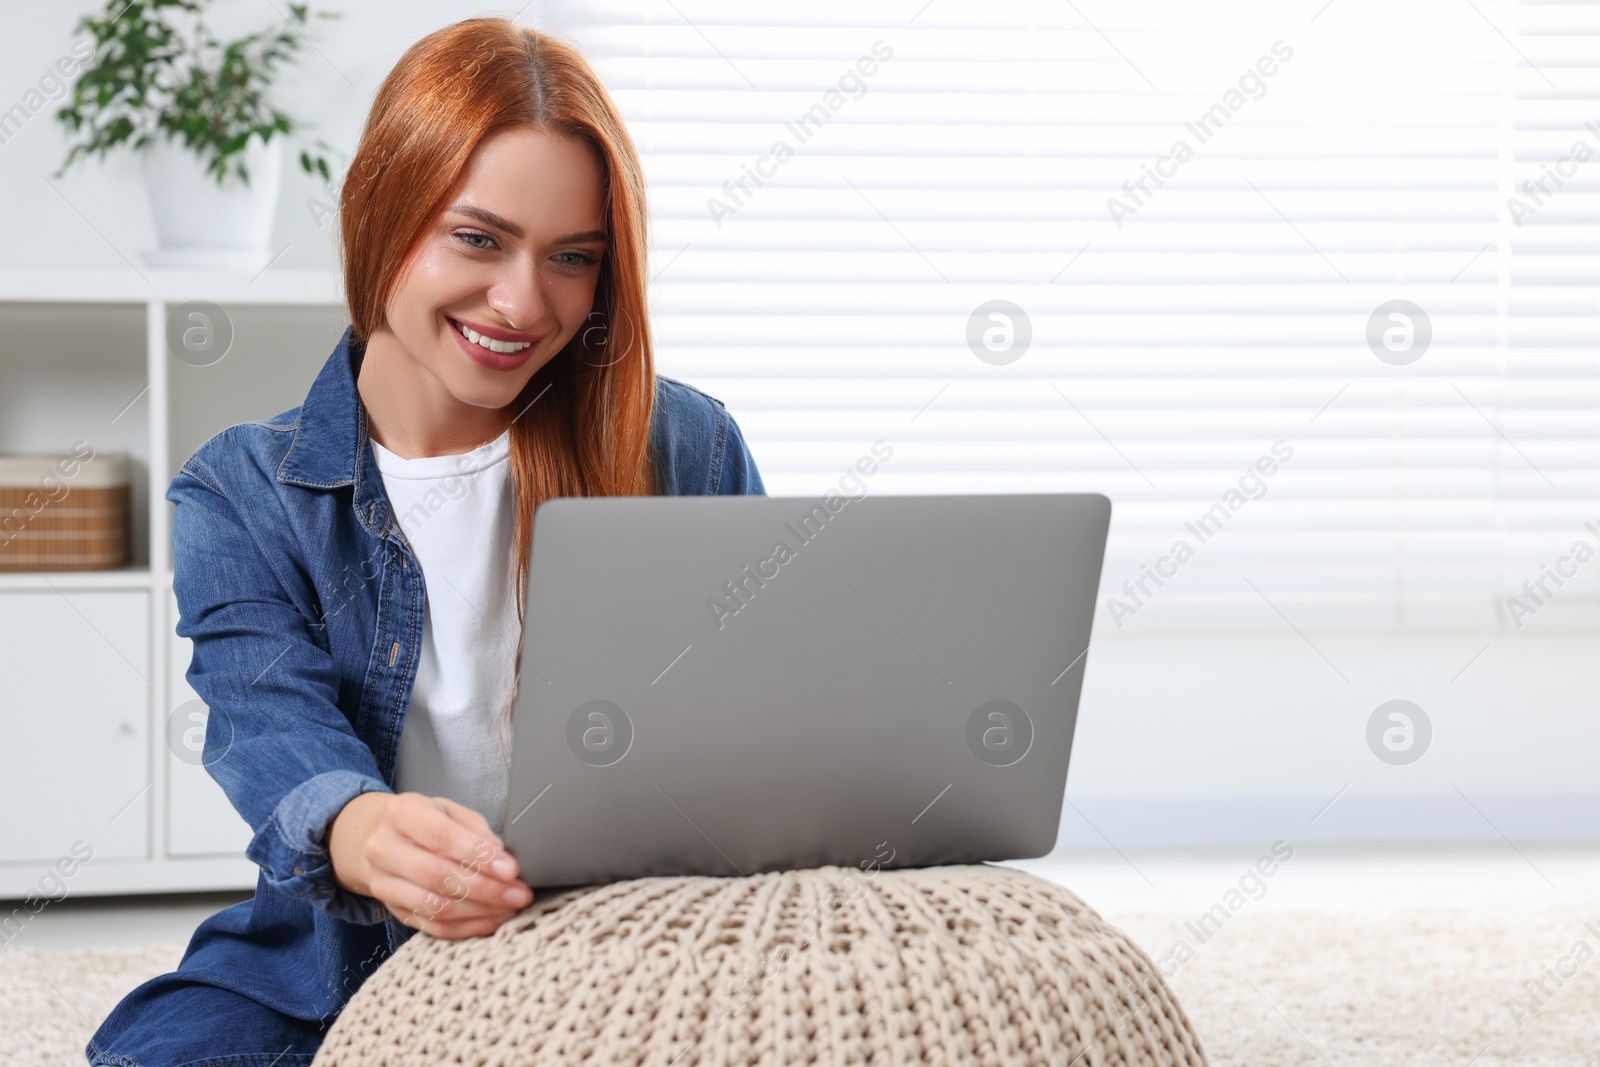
[430, 889]
[470, 928]
[402, 859]
[435, 864]
[471, 818]
[439, 875]
[453, 928]
[416, 905]
[448, 880]
[428, 822]
[500, 862]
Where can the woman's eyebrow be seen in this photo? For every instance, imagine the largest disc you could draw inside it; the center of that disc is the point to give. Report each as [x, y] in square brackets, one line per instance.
[489, 218]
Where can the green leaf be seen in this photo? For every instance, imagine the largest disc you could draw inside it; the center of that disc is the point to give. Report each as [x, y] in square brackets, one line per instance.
[159, 68]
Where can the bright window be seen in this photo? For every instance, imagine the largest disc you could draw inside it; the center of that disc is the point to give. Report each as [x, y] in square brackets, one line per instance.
[1228, 231]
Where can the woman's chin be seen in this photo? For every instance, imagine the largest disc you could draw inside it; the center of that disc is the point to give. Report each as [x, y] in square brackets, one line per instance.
[488, 397]
[473, 383]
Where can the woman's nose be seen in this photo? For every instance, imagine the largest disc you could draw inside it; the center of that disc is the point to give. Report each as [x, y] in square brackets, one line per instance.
[518, 294]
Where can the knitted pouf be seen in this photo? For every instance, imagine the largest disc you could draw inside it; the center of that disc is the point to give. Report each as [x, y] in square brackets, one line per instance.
[957, 965]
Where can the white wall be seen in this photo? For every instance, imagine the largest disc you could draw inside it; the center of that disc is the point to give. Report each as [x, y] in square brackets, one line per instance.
[100, 210]
[1246, 736]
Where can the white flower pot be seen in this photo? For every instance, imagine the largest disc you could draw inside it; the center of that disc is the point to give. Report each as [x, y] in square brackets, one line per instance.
[202, 225]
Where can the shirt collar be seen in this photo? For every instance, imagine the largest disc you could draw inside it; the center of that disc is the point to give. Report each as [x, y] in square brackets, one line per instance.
[331, 442]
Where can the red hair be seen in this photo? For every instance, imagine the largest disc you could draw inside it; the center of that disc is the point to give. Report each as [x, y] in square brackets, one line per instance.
[590, 435]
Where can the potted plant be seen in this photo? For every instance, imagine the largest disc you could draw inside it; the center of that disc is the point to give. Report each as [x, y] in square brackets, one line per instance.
[197, 111]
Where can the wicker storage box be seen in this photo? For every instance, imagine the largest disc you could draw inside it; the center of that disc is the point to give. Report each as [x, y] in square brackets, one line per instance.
[64, 512]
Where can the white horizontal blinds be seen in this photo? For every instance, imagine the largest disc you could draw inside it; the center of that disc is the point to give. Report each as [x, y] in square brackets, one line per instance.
[1340, 168]
[1549, 399]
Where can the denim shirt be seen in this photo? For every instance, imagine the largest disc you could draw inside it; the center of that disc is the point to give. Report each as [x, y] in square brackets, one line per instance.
[305, 605]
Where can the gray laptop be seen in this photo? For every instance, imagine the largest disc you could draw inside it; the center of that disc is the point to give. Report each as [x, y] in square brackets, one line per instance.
[723, 685]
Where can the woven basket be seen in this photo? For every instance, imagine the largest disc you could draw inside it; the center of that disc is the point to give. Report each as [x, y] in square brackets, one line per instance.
[64, 512]
[955, 966]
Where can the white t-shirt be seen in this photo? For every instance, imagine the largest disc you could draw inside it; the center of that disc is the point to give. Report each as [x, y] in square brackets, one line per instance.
[458, 512]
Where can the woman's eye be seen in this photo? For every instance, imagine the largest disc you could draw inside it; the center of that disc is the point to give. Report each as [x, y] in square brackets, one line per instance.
[468, 236]
[576, 259]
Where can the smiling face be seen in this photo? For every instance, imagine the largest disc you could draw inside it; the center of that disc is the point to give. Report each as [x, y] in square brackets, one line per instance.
[501, 280]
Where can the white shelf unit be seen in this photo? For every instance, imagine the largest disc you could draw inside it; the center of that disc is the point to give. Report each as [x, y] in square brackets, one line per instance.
[90, 665]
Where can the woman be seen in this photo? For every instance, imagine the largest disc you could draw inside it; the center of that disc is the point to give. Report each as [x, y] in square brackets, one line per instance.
[492, 222]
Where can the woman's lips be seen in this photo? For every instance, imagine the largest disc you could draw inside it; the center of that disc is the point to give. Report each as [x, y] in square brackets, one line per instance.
[503, 361]
[498, 333]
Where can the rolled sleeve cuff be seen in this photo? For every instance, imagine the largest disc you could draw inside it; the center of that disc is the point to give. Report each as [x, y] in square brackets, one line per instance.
[292, 846]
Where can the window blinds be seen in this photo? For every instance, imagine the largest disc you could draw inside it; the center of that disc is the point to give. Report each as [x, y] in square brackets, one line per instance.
[1268, 278]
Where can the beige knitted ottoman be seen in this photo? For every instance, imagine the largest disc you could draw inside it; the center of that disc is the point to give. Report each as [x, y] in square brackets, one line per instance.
[959, 965]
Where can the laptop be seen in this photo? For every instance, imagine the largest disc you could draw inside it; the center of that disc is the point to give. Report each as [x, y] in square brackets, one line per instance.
[727, 685]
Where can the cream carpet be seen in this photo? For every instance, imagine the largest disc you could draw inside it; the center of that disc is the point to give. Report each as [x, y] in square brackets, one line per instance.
[1269, 989]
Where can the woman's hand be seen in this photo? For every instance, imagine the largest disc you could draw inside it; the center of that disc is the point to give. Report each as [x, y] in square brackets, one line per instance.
[434, 863]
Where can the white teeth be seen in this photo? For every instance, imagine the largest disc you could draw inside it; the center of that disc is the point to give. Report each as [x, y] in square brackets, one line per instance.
[488, 342]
